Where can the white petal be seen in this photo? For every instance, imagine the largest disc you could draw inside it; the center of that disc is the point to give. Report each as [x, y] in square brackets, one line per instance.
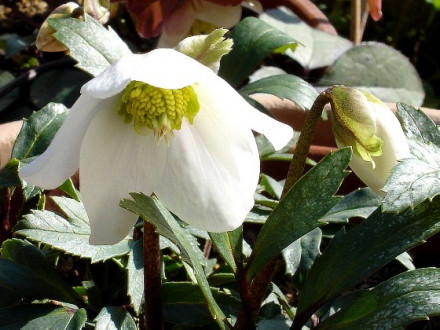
[218, 15]
[211, 173]
[222, 97]
[61, 158]
[114, 162]
[164, 68]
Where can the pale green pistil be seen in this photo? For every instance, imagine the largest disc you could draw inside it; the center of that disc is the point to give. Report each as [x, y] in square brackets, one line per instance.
[157, 109]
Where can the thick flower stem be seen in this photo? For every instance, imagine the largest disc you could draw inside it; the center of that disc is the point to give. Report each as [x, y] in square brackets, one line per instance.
[262, 279]
[152, 280]
[296, 168]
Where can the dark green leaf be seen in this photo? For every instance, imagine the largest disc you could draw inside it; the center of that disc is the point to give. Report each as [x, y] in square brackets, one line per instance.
[310, 52]
[417, 125]
[60, 86]
[25, 272]
[301, 209]
[184, 304]
[42, 316]
[380, 70]
[271, 186]
[285, 86]
[5, 101]
[414, 180]
[71, 235]
[15, 44]
[408, 297]
[112, 317]
[229, 245]
[253, 41]
[166, 225]
[38, 131]
[353, 256]
[94, 47]
[135, 268]
[359, 203]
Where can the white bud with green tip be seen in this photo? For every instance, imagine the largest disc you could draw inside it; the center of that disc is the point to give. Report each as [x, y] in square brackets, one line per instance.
[365, 123]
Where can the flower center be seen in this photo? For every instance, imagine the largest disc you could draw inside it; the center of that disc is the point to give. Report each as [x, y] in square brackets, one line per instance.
[157, 109]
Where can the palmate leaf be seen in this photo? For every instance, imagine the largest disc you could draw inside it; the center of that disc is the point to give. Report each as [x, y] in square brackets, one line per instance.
[285, 86]
[253, 41]
[71, 235]
[415, 179]
[351, 257]
[166, 225]
[42, 316]
[301, 209]
[94, 47]
[408, 297]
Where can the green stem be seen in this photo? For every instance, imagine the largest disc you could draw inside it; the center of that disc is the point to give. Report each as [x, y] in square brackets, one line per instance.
[263, 278]
[152, 279]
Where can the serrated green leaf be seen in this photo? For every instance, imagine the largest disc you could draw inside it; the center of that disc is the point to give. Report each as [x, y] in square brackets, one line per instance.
[310, 53]
[284, 86]
[94, 47]
[71, 235]
[413, 180]
[253, 41]
[408, 297]
[380, 70]
[166, 225]
[42, 316]
[359, 203]
[185, 305]
[417, 125]
[114, 318]
[351, 257]
[301, 209]
[38, 131]
[135, 269]
[25, 272]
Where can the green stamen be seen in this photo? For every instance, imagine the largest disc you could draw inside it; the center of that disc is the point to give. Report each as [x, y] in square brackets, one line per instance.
[157, 109]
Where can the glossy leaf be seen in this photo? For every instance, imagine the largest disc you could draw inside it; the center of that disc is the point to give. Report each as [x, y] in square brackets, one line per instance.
[70, 235]
[94, 47]
[166, 225]
[42, 316]
[25, 272]
[310, 52]
[285, 86]
[224, 247]
[353, 256]
[301, 209]
[38, 131]
[114, 318]
[359, 203]
[253, 41]
[393, 304]
[380, 70]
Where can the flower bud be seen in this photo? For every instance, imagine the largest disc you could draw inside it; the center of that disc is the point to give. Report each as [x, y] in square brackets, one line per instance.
[363, 122]
[45, 40]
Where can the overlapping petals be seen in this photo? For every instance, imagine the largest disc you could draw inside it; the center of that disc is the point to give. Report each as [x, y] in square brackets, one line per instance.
[206, 174]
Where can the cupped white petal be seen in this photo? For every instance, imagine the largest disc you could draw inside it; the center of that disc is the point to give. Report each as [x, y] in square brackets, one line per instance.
[218, 15]
[219, 95]
[61, 158]
[163, 68]
[211, 172]
[115, 161]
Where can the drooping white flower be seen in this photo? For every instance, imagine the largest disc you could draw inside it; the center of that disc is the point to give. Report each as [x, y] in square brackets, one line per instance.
[365, 123]
[196, 151]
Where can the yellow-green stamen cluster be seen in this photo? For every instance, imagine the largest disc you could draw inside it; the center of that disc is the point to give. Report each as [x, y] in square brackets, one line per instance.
[157, 109]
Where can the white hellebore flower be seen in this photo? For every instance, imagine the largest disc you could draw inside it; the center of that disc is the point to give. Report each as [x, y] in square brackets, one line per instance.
[201, 160]
[363, 122]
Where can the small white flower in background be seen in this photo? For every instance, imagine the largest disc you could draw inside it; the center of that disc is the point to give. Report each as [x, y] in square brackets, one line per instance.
[363, 122]
[159, 123]
[194, 17]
